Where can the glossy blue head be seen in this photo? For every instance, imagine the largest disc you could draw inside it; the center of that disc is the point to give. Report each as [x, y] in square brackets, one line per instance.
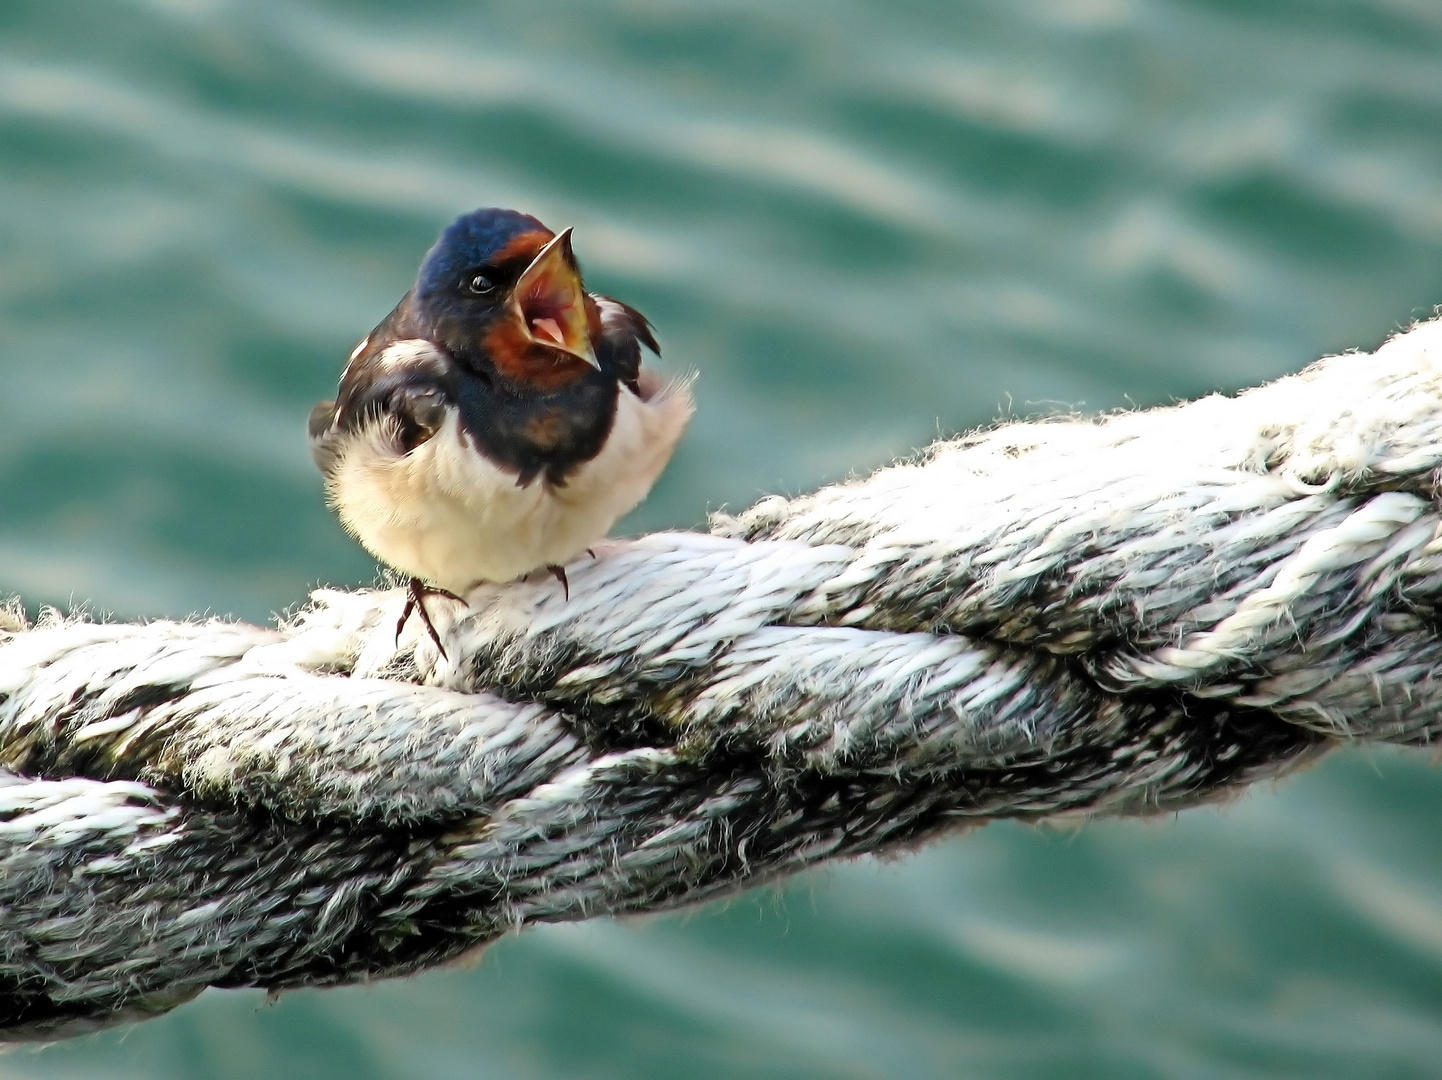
[474, 241]
[500, 288]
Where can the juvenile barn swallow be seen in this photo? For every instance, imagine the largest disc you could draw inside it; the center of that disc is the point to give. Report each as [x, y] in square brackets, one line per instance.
[498, 420]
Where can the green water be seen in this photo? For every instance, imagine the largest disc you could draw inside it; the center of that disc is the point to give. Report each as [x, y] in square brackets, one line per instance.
[862, 224]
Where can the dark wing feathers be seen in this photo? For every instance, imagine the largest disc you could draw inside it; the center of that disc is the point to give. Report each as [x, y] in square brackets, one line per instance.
[624, 331]
[322, 435]
[413, 388]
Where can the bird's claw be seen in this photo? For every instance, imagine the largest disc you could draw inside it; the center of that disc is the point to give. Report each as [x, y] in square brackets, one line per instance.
[559, 573]
[416, 601]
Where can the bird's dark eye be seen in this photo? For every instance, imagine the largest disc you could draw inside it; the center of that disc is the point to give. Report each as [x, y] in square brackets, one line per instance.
[480, 285]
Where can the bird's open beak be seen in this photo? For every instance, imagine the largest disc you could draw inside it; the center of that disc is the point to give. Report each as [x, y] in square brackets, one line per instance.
[551, 303]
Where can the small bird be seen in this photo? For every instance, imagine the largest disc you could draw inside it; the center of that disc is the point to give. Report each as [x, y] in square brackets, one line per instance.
[498, 420]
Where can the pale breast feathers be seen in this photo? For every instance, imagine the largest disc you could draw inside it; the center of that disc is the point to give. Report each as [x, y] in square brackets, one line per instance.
[409, 481]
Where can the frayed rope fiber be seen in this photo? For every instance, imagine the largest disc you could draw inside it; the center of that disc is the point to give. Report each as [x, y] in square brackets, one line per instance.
[1073, 617]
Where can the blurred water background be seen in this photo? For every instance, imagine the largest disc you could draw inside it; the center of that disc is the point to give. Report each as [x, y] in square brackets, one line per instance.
[863, 224]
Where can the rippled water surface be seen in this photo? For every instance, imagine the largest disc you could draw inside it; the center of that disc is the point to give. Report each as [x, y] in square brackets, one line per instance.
[863, 225]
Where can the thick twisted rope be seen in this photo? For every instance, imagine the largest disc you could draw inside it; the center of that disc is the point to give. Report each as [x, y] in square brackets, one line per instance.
[1113, 616]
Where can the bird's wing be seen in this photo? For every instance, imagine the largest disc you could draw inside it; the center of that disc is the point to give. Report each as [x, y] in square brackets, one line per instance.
[622, 319]
[405, 384]
[623, 331]
[321, 435]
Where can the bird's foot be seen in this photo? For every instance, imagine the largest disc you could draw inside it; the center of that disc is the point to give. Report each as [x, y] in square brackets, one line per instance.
[416, 601]
[559, 573]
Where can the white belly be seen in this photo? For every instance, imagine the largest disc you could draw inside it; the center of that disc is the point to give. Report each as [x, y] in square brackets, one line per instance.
[445, 514]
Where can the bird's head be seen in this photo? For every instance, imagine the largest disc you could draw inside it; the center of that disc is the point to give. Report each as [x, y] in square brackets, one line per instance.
[499, 286]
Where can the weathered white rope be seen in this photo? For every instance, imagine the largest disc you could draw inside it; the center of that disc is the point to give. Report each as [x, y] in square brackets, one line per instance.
[1074, 616]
